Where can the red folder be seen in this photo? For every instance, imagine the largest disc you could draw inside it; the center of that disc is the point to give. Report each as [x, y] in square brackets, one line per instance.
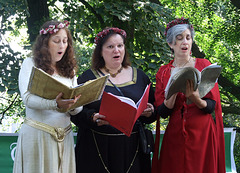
[122, 112]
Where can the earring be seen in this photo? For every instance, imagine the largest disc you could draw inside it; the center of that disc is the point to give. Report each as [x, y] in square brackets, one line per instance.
[172, 53]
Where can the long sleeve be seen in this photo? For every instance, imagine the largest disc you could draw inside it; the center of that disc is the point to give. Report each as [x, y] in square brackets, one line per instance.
[33, 101]
[162, 77]
[30, 100]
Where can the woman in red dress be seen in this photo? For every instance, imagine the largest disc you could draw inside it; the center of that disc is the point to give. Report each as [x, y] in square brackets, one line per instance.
[193, 141]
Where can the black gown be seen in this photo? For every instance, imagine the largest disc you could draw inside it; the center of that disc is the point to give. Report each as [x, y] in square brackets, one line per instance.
[117, 152]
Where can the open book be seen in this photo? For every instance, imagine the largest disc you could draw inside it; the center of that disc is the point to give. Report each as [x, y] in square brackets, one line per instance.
[204, 80]
[44, 85]
[122, 112]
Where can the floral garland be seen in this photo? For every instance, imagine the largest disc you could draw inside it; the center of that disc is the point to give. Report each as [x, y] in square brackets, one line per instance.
[54, 28]
[105, 32]
[177, 21]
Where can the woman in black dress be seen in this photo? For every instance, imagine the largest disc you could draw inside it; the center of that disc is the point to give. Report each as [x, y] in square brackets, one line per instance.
[100, 147]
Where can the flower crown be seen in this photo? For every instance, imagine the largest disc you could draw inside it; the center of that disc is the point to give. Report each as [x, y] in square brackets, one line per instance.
[177, 21]
[105, 32]
[54, 28]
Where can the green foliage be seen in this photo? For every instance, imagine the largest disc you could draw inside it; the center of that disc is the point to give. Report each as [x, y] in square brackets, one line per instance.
[11, 105]
[9, 67]
[83, 57]
[10, 59]
[142, 20]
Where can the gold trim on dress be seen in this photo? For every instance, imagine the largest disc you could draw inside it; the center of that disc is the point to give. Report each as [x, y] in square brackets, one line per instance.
[101, 158]
[133, 81]
[112, 134]
[57, 133]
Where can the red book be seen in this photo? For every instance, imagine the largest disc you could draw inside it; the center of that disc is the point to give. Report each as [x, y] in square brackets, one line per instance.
[122, 112]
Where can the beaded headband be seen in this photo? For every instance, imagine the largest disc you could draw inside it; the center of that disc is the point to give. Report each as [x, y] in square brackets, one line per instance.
[177, 21]
[54, 28]
[105, 32]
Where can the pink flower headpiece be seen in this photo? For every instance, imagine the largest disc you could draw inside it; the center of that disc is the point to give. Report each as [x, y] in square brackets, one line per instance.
[54, 28]
[105, 32]
[177, 21]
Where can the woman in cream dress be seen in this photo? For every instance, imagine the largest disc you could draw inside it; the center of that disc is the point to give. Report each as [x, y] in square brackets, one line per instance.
[45, 143]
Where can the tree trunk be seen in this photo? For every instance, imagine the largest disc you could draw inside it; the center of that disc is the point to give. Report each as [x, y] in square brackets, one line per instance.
[196, 52]
[38, 12]
[236, 3]
[229, 86]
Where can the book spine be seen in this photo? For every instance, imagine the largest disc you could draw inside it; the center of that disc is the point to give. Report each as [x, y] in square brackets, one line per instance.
[104, 84]
[73, 94]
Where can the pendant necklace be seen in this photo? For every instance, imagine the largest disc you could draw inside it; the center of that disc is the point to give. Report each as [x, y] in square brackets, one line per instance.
[113, 74]
[175, 64]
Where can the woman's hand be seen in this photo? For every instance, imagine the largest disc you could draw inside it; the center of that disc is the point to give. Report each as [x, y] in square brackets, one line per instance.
[148, 111]
[194, 95]
[65, 103]
[99, 119]
[190, 93]
[171, 101]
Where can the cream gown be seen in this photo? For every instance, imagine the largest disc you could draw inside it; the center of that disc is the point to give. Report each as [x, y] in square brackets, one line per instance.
[37, 151]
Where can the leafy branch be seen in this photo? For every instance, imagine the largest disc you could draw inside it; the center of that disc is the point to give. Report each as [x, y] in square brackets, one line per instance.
[9, 106]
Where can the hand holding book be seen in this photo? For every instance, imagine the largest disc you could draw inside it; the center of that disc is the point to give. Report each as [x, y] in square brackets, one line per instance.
[66, 104]
[122, 112]
[99, 119]
[45, 86]
[204, 80]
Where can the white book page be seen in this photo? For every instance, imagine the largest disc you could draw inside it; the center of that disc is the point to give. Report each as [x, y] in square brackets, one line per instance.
[139, 101]
[214, 65]
[78, 85]
[209, 77]
[126, 100]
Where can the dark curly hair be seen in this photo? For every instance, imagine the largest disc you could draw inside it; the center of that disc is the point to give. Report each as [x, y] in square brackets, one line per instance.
[42, 57]
[97, 59]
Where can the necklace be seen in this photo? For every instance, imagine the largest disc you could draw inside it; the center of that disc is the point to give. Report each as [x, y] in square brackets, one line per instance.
[113, 74]
[175, 64]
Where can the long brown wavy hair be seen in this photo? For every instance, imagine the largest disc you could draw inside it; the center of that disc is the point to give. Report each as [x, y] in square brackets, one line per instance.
[42, 57]
[97, 59]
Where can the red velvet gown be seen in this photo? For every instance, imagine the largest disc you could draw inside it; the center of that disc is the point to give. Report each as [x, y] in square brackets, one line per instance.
[193, 141]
